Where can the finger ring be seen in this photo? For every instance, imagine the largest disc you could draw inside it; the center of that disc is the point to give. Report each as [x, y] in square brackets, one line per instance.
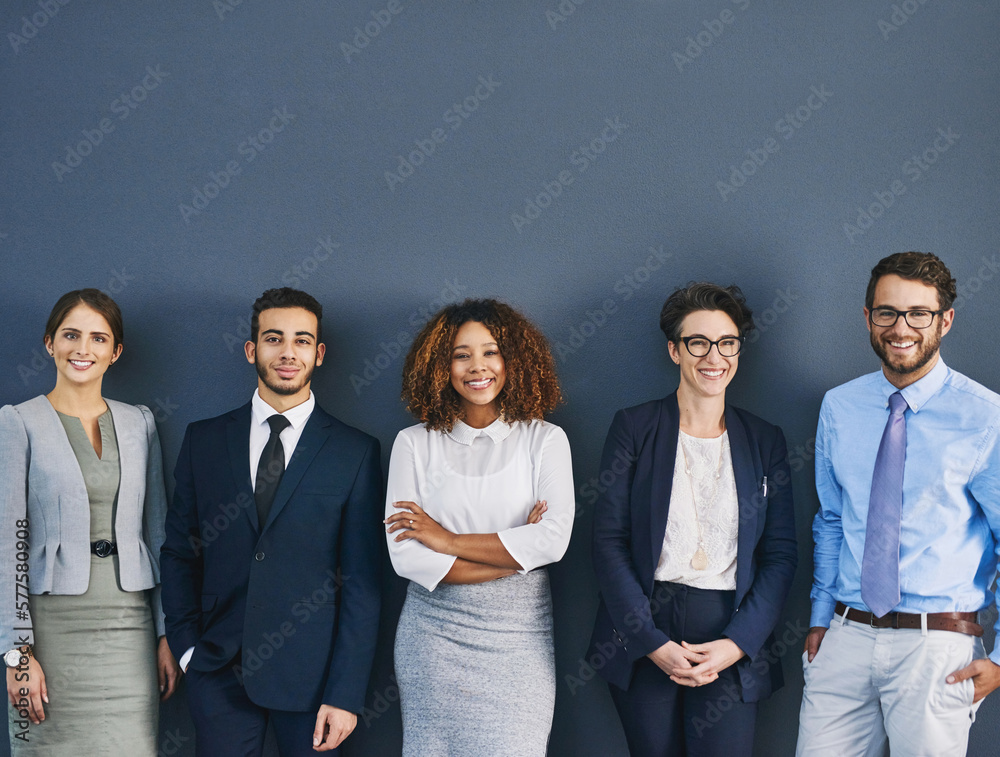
[411, 522]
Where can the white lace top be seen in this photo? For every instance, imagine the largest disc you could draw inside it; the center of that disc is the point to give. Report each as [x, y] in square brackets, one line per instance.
[710, 464]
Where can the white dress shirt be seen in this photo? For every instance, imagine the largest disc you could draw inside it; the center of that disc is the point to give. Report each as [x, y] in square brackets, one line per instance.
[260, 432]
[483, 481]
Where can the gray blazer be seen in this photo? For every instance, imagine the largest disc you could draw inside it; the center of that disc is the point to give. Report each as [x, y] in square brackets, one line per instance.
[40, 480]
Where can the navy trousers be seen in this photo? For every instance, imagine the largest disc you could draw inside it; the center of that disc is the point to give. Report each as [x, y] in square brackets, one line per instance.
[663, 719]
[228, 724]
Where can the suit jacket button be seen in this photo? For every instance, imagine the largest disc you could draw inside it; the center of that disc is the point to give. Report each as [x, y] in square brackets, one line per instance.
[259, 556]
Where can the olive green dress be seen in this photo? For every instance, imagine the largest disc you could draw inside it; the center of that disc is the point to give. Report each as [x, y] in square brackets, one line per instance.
[97, 649]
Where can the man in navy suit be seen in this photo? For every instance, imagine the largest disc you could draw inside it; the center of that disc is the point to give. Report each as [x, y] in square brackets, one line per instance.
[270, 567]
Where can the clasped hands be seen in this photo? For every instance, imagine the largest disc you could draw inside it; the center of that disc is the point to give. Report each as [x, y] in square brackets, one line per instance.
[695, 664]
[411, 522]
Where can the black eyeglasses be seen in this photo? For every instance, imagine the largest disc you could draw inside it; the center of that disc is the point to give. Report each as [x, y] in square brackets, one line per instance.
[699, 346]
[915, 319]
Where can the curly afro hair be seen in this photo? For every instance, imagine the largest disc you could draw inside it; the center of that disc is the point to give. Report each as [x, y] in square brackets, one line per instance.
[531, 389]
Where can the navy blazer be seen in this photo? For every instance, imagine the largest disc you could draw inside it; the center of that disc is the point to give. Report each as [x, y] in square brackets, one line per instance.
[300, 595]
[631, 518]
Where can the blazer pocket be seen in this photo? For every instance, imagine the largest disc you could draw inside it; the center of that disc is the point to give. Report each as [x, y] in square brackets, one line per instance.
[339, 493]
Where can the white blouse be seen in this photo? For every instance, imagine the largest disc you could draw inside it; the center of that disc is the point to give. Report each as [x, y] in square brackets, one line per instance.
[482, 481]
[711, 464]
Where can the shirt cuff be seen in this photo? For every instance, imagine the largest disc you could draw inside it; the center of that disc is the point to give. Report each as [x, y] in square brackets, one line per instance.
[822, 613]
[185, 659]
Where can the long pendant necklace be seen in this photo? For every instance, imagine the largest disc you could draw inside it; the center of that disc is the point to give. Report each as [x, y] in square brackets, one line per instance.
[700, 559]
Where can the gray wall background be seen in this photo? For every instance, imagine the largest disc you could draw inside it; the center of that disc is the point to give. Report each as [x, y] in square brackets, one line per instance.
[779, 145]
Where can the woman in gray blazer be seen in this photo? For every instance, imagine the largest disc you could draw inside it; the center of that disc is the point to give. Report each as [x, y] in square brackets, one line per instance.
[82, 507]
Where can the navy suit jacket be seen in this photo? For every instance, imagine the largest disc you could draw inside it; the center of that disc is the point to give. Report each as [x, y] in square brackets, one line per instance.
[299, 595]
[631, 517]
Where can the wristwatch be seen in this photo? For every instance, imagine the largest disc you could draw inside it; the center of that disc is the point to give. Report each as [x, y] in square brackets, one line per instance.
[12, 659]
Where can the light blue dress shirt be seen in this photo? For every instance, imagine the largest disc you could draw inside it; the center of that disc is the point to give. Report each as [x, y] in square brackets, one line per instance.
[950, 527]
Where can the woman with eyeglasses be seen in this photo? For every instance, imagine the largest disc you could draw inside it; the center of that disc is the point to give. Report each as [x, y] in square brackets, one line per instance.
[694, 546]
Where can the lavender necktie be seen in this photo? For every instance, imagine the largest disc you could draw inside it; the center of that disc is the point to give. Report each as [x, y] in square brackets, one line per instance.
[880, 567]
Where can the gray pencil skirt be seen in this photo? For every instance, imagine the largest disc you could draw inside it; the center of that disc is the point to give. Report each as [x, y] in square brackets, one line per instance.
[476, 668]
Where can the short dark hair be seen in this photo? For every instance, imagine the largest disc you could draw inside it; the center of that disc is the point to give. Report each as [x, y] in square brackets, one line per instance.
[924, 267]
[531, 389]
[704, 295]
[285, 297]
[96, 300]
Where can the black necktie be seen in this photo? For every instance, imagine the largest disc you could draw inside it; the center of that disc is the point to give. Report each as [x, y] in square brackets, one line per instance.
[270, 468]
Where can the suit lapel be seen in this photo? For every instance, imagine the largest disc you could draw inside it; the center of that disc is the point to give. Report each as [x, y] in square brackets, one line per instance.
[747, 480]
[662, 473]
[71, 485]
[128, 445]
[314, 435]
[238, 444]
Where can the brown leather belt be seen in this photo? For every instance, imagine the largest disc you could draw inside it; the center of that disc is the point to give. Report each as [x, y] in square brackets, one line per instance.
[959, 622]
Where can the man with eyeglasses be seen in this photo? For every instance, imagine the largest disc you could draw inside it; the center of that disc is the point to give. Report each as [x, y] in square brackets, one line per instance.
[908, 478]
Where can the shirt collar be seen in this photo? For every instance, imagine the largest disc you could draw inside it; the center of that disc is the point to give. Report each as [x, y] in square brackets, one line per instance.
[919, 392]
[466, 434]
[297, 415]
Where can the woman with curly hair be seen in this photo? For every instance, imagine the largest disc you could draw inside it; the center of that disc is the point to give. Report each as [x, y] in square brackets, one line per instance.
[480, 497]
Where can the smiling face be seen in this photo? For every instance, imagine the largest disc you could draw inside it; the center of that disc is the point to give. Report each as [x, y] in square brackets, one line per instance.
[907, 354]
[706, 376]
[285, 355]
[477, 373]
[82, 346]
